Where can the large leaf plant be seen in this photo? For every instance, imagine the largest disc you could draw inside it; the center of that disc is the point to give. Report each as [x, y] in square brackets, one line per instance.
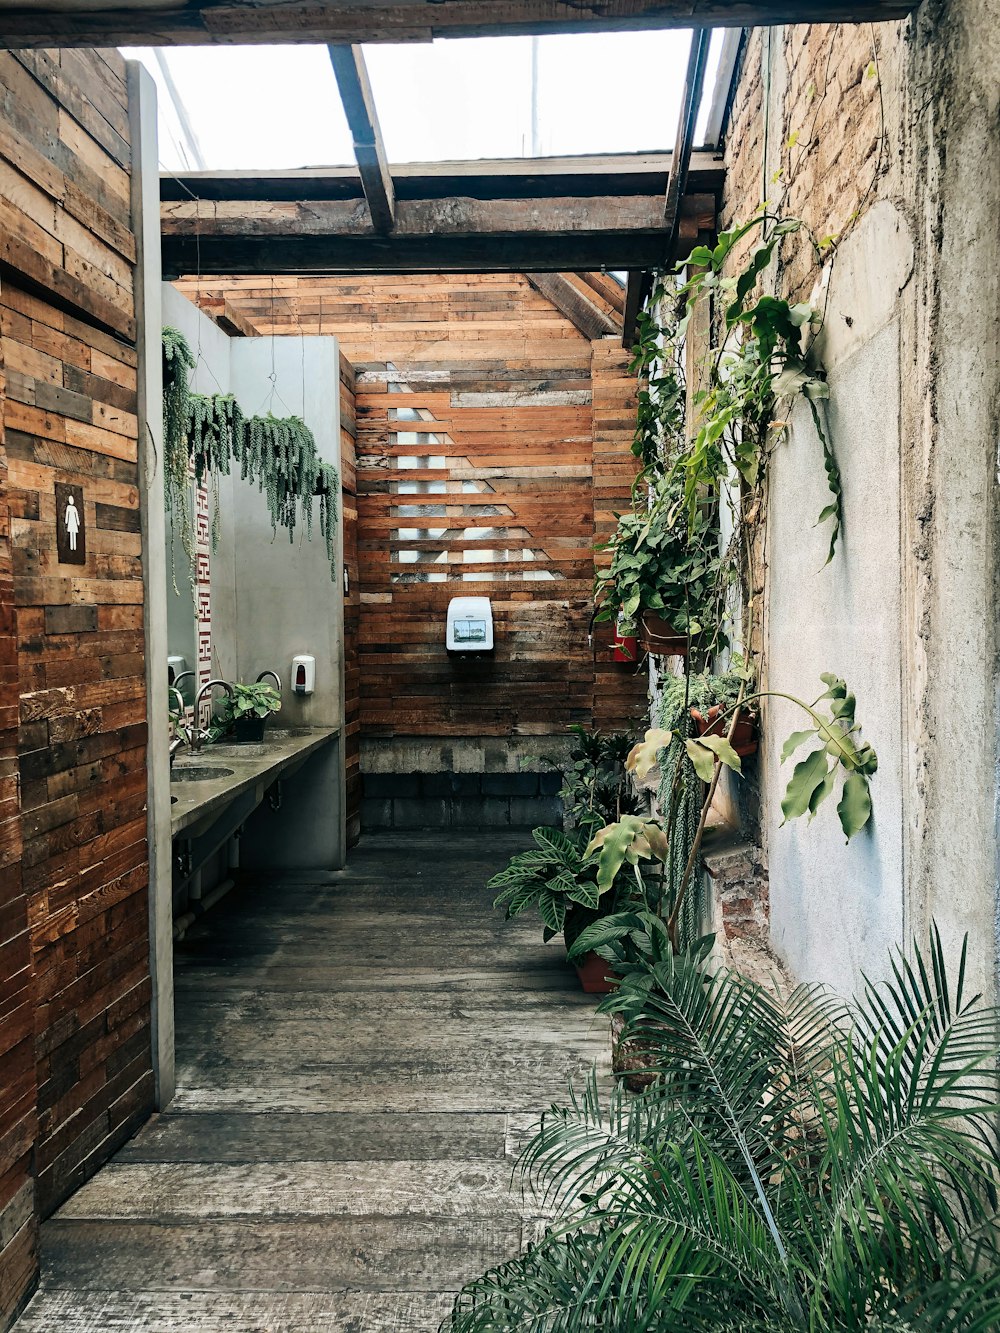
[802, 1165]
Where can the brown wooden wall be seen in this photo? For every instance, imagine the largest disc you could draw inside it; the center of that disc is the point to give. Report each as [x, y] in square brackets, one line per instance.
[502, 383]
[75, 985]
[352, 597]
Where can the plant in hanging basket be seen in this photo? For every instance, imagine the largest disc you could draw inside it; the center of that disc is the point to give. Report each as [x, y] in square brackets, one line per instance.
[666, 574]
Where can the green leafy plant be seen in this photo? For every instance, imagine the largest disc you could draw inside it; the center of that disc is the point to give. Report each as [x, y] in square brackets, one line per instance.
[841, 750]
[595, 786]
[760, 366]
[701, 690]
[799, 1166]
[663, 564]
[551, 878]
[247, 701]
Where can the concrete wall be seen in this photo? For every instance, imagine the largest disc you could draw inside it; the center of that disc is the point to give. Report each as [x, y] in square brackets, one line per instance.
[272, 599]
[904, 612]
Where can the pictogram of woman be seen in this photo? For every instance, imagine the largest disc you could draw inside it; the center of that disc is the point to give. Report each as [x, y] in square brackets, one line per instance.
[72, 521]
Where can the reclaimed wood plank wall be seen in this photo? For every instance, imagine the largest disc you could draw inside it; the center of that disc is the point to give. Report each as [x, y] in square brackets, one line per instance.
[352, 597]
[477, 391]
[77, 920]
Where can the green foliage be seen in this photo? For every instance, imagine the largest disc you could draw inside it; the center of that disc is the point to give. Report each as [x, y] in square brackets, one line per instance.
[258, 700]
[801, 1164]
[841, 750]
[663, 564]
[556, 874]
[595, 786]
[759, 367]
[701, 690]
[205, 435]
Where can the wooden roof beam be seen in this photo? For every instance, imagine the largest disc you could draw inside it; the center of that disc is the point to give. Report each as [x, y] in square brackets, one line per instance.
[496, 178]
[203, 22]
[454, 235]
[586, 316]
[351, 73]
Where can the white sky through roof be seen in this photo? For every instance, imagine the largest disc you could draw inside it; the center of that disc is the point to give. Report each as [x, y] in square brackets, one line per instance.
[273, 107]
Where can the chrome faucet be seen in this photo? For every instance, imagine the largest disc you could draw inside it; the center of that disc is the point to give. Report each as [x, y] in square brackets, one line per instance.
[198, 734]
[181, 676]
[274, 676]
[178, 739]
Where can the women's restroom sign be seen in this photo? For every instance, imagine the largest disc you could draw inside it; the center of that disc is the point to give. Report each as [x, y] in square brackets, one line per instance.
[71, 527]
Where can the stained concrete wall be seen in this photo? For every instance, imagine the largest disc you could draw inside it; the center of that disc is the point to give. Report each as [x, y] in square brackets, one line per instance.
[906, 612]
[272, 599]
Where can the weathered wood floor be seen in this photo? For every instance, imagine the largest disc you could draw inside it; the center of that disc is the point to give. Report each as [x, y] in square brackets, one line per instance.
[358, 1059]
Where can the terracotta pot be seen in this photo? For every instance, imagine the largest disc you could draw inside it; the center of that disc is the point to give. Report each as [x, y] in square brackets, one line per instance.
[744, 739]
[660, 638]
[596, 976]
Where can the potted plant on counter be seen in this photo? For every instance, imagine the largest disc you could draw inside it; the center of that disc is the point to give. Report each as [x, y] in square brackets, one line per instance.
[248, 709]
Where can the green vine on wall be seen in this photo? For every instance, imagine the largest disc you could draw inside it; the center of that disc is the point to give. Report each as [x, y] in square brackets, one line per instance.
[703, 449]
[206, 435]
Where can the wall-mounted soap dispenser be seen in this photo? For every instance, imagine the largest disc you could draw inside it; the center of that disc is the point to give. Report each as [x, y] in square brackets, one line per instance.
[470, 625]
[303, 674]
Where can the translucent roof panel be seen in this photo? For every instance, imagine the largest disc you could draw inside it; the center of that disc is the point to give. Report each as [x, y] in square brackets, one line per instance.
[471, 98]
[246, 107]
[272, 107]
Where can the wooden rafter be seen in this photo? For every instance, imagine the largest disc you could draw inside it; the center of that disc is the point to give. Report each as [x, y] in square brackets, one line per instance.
[694, 84]
[517, 217]
[359, 107]
[452, 235]
[585, 315]
[202, 22]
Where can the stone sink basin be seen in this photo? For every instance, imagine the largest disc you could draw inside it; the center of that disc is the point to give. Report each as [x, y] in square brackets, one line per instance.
[200, 773]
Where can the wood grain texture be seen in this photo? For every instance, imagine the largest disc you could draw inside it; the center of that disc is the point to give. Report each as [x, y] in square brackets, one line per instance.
[163, 22]
[74, 998]
[299, 1183]
[503, 381]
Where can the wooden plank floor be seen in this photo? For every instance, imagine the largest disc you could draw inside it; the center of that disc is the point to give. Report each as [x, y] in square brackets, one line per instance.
[359, 1056]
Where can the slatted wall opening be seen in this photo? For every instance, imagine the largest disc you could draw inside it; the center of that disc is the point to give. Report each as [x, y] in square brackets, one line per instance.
[476, 474]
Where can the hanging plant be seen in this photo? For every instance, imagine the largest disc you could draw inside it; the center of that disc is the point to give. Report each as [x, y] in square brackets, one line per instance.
[177, 361]
[206, 434]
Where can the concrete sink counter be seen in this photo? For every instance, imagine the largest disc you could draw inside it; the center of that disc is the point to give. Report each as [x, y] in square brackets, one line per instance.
[242, 771]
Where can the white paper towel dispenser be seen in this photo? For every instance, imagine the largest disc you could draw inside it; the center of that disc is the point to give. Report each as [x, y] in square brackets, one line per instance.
[470, 625]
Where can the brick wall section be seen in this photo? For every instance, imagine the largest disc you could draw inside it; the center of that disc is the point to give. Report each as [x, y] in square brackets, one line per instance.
[78, 917]
[825, 136]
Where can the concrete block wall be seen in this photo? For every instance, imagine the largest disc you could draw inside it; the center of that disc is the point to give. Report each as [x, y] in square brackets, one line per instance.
[461, 800]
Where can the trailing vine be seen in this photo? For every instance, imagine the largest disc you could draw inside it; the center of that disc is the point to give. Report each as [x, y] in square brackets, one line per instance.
[702, 450]
[206, 435]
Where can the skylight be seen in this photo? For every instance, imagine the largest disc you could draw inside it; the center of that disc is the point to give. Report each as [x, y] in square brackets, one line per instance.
[267, 108]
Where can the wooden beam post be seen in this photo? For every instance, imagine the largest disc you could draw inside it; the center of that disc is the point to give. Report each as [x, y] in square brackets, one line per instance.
[640, 284]
[680, 162]
[351, 74]
[586, 316]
